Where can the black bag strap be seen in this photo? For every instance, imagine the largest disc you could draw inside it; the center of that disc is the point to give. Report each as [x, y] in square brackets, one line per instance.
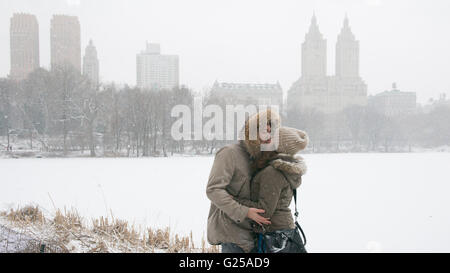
[297, 225]
[296, 217]
[295, 200]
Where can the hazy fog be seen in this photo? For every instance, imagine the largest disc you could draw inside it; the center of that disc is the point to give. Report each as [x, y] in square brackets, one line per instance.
[406, 41]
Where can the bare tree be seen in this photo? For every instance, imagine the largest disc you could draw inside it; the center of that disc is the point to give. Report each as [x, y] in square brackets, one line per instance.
[5, 108]
[354, 117]
[309, 120]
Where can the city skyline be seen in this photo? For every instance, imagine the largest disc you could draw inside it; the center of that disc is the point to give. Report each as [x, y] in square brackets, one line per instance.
[237, 58]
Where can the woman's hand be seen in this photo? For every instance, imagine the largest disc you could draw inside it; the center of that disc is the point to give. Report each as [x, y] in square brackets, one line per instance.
[254, 215]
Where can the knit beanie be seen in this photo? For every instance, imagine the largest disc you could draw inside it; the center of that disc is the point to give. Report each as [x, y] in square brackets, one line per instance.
[291, 141]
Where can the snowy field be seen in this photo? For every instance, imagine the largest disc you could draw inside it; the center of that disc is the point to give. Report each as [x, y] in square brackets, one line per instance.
[348, 202]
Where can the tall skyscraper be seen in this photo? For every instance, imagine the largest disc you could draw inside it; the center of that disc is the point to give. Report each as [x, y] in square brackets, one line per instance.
[347, 53]
[328, 94]
[65, 41]
[24, 42]
[156, 71]
[90, 64]
[314, 52]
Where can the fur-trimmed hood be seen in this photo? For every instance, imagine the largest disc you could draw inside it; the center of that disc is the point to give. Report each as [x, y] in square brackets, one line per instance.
[293, 168]
[253, 147]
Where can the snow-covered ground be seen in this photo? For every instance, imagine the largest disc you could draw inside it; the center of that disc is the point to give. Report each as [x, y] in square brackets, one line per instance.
[11, 240]
[348, 202]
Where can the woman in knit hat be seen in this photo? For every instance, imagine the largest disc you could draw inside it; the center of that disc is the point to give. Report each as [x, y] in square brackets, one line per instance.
[276, 175]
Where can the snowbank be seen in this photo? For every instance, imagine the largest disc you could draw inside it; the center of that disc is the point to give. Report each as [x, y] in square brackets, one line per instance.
[67, 233]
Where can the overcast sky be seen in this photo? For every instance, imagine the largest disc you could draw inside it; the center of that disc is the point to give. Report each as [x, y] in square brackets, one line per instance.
[403, 41]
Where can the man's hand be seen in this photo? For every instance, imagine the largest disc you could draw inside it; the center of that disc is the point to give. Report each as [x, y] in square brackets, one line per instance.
[254, 215]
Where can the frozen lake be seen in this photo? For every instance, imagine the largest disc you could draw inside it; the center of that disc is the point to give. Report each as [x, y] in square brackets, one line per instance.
[348, 202]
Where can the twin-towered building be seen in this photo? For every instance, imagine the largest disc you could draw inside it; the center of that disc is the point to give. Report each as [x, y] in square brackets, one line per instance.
[65, 46]
[317, 90]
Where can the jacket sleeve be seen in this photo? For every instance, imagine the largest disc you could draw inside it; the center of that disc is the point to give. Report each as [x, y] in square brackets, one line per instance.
[247, 202]
[270, 188]
[219, 178]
